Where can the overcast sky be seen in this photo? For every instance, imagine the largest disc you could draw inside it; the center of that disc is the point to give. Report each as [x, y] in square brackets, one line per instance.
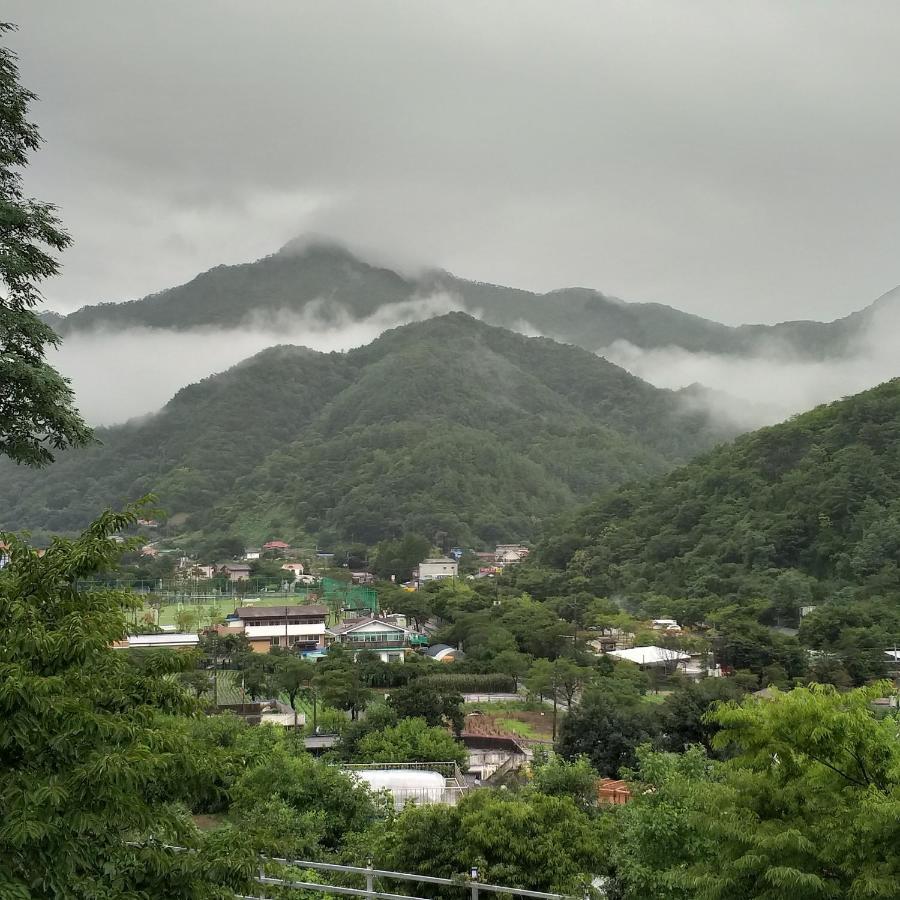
[739, 161]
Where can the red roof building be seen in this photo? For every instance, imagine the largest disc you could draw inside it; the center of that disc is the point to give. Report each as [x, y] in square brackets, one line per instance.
[276, 545]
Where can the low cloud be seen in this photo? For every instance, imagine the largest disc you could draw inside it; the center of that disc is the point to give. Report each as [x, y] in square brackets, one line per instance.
[118, 375]
[770, 386]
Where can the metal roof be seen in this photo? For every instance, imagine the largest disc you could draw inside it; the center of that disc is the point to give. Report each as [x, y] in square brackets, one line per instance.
[167, 639]
[353, 624]
[649, 655]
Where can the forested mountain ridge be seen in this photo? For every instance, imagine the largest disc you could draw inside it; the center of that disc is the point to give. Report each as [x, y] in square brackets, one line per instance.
[444, 426]
[818, 495]
[326, 283]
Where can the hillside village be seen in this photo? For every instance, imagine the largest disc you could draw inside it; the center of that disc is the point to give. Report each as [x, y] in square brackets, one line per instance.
[334, 573]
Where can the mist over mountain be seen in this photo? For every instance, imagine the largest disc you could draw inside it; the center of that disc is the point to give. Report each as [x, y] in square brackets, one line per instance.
[447, 426]
[319, 294]
[328, 282]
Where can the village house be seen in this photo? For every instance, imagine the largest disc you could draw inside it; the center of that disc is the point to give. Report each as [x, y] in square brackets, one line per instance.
[295, 568]
[299, 627]
[235, 571]
[510, 554]
[275, 548]
[390, 641]
[435, 568]
[252, 553]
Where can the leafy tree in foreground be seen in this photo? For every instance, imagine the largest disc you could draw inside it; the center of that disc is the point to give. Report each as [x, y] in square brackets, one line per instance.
[36, 412]
[88, 761]
[289, 796]
[527, 840]
[808, 807]
[655, 833]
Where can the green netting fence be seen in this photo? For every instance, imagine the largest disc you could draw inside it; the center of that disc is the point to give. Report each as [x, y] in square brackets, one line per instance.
[341, 595]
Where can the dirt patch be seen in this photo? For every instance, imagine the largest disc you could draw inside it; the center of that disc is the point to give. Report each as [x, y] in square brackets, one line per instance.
[207, 822]
[522, 724]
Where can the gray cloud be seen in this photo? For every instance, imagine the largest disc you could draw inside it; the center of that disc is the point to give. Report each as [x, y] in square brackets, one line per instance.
[737, 161]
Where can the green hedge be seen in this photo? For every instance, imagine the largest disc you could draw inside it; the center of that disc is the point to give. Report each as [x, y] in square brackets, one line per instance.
[470, 682]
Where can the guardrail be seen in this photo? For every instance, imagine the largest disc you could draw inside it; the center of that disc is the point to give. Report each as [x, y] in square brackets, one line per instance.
[468, 882]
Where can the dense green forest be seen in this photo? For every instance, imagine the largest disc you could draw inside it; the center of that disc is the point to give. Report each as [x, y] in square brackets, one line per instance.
[817, 496]
[448, 427]
[326, 281]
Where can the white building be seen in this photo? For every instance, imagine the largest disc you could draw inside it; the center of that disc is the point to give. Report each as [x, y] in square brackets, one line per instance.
[653, 657]
[169, 640]
[302, 627]
[436, 568]
[510, 554]
[409, 785]
[385, 638]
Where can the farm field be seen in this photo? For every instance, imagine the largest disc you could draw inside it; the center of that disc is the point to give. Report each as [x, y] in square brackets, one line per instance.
[520, 719]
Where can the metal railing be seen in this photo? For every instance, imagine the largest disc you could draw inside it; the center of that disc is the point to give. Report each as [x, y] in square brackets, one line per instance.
[467, 882]
[449, 769]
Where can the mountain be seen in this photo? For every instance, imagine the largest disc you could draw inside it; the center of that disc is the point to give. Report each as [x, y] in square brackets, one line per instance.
[818, 495]
[326, 282]
[448, 425]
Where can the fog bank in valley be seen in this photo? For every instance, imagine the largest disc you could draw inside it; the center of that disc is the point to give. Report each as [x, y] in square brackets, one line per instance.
[118, 375]
[752, 391]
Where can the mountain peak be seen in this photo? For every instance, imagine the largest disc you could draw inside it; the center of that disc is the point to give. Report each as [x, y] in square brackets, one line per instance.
[316, 245]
